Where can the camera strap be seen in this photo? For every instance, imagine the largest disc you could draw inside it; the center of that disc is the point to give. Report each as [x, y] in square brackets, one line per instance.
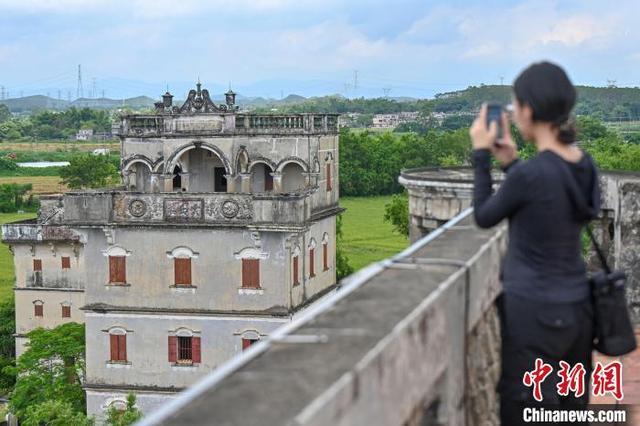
[577, 196]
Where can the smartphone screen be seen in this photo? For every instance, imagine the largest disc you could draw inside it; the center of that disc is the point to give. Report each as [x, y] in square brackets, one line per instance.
[494, 113]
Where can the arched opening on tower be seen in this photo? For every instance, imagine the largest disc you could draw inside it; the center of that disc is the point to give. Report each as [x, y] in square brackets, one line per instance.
[205, 170]
[293, 178]
[177, 178]
[261, 179]
[139, 177]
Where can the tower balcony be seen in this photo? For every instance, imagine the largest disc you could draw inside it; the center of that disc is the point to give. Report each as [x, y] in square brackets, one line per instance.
[263, 211]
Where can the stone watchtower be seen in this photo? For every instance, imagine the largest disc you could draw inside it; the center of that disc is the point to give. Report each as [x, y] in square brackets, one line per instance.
[223, 230]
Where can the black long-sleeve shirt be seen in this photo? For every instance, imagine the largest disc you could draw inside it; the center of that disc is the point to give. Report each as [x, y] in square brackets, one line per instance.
[544, 255]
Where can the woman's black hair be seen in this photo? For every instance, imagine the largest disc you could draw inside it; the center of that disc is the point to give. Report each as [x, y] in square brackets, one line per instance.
[546, 88]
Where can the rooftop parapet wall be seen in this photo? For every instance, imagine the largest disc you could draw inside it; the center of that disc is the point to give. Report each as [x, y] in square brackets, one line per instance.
[438, 194]
[390, 347]
[226, 124]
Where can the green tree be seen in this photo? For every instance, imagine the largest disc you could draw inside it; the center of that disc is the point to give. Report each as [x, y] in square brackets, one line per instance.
[5, 114]
[89, 171]
[126, 417]
[55, 413]
[590, 129]
[7, 345]
[343, 268]
[396, 212]
[51, 369]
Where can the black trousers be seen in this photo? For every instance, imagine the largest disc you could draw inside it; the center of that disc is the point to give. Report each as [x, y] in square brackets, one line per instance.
[553, 332]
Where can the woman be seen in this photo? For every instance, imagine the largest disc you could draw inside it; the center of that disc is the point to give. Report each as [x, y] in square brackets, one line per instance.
[545, 307]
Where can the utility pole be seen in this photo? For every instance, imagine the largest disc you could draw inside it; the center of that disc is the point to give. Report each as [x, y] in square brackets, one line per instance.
[79, 90]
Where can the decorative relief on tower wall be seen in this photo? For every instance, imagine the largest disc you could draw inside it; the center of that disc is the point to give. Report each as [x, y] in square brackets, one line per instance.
[228, 209]
[183, 209]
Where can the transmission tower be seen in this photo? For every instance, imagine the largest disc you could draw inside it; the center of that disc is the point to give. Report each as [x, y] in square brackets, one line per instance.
[386, 91]
[611, 83]
[80, 90]
[2, 93]
[501, 80]
[93, 88]
[355, 82]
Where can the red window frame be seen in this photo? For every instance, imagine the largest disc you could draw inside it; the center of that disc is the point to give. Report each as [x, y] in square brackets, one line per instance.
[325, 256]
[117, 270]
[312, 262]
[246, 343]
[66, 262]
[251, 273]
[182, 271]
[296, 279]
[118, 346]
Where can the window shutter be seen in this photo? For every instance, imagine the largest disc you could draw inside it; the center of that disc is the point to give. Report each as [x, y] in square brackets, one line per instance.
[37, 265]
[38, 310]
[117, 269]
[66, 312]
[245, 273]
[122, 347]
[113, 342]
[268, 179]
[66, 262]
[312, 262]
[255, 265]
[295, 270]
[328, 176]
[251, 273]
[195, 350]
[182, 271]
[325, 256]
[173, 349]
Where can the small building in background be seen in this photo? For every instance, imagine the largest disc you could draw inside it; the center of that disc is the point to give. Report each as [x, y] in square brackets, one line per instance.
[84, 134]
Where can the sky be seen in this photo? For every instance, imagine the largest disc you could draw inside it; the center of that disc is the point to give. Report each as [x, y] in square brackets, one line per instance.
[272, 48]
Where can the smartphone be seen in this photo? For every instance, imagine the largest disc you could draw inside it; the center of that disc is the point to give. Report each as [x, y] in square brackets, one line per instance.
[494, 113]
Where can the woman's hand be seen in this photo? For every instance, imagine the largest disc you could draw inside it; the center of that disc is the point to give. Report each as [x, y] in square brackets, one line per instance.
[505, 149]
[481, 136]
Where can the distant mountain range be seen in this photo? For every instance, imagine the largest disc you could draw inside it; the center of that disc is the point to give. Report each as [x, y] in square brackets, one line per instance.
[41, 102]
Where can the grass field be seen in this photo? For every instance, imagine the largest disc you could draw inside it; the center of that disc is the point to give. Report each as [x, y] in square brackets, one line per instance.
[41, 184]
[366, 237]
[6, 259]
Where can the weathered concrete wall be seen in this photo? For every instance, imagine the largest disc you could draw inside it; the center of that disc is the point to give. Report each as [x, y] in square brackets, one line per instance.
[436, 195]
[52, 301]
[216, 271]
[149, 372]
[396, 345]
